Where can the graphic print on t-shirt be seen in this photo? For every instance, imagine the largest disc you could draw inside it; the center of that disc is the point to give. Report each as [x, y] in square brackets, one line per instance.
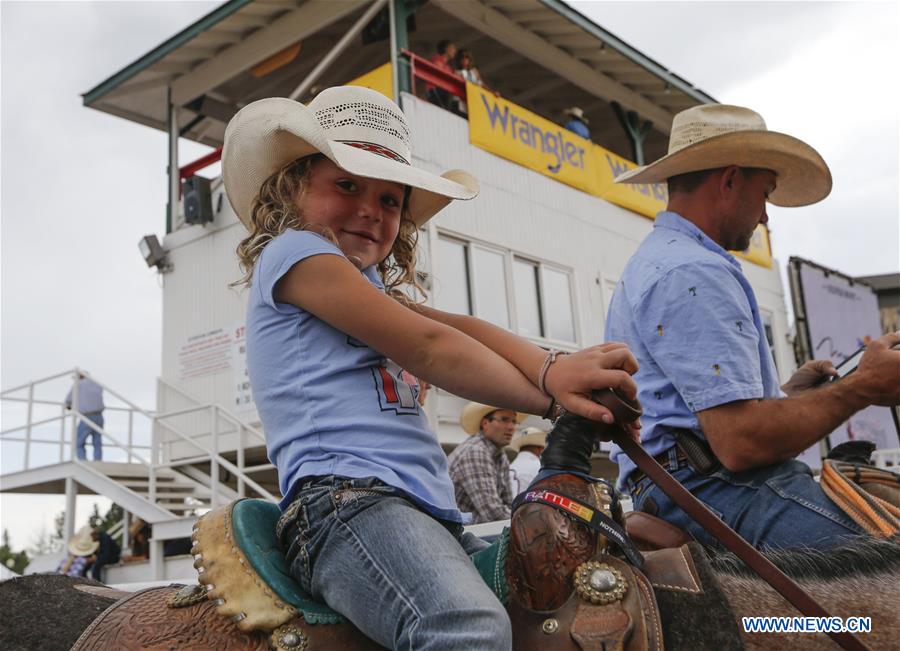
[395, 393]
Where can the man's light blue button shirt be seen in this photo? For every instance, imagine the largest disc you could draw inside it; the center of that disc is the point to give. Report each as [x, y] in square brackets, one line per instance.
[90, 396]
[691, 319]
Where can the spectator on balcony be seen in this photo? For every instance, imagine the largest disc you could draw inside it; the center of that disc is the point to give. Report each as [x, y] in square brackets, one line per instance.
[578, 123]
[445, 55]
[464, 66]
[443, 59]
[90, 405]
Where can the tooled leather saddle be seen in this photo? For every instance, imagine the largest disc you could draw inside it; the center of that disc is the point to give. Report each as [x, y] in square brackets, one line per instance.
[561, 588]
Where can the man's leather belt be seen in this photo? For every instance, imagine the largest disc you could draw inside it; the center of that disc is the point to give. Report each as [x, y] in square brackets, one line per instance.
[662, 459]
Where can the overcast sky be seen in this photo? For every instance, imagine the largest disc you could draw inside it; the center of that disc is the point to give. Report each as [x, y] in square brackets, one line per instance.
[80, 187]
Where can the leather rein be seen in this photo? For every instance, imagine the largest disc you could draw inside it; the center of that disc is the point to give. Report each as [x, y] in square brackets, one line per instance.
[626, 411]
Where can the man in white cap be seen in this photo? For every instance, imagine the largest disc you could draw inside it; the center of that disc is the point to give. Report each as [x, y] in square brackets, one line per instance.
[714, 414]
[479, 467]
[527, 464]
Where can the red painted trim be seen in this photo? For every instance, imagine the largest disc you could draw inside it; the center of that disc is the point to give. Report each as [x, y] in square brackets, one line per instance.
[434, 76]
[204, 161]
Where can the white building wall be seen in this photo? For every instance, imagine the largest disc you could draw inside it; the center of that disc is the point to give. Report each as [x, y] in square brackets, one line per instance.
[518, 210]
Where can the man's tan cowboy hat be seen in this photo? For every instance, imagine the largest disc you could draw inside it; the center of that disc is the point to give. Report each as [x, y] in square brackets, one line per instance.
[472, 413]
[529, 436]
[709, 136]
[577, 113]
[359, 129]
[82, 544]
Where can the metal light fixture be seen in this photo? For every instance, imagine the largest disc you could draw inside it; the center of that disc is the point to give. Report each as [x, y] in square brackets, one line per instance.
[154, 254]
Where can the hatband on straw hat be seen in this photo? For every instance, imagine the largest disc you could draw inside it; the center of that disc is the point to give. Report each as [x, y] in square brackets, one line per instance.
[472, 413]
[576, 112]
[82, 544]
[530, 436]
[710, 136]
[358, 129]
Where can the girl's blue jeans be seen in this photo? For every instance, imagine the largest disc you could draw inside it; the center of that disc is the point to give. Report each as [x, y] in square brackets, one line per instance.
[401, 576]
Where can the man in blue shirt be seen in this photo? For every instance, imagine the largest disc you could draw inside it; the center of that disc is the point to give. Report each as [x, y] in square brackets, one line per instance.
[90, 405]
[714, 414]
[578, 123]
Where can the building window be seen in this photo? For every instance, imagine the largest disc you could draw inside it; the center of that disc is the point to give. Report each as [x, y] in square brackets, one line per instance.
[451, 277]
[766, 318]
[528, 297]
[557, 297]
[526, 280]
[489, 286]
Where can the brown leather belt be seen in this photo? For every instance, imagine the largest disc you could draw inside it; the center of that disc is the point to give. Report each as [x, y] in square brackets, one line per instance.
[662, 459]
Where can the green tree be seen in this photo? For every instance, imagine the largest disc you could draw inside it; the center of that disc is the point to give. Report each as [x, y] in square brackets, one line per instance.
[16, 561]
[108, 520]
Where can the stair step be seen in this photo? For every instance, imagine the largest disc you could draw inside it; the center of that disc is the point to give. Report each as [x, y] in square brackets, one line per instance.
[178, 497]
[145, 484]
[182, 508]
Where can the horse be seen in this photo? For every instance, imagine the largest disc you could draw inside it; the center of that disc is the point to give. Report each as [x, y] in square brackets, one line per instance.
[566, 585]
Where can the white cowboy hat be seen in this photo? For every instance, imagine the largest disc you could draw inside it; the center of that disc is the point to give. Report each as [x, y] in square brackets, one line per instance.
[472, 413]
[359, 129]
[576, 112]
[529, 436]
[709, 136]
[82, 544]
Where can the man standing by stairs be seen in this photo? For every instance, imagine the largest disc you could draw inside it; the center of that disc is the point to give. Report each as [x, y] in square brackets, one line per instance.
[90, 405]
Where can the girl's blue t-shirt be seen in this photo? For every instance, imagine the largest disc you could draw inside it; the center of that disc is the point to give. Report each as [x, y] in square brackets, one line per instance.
[330, 404]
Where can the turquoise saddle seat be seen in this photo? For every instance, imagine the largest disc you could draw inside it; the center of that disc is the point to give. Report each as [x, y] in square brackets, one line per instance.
[253, 527]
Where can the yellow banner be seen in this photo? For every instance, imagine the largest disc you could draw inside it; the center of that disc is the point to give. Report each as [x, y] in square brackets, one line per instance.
[760, 249]
[379, 79]
[514, 133]
[646, 199]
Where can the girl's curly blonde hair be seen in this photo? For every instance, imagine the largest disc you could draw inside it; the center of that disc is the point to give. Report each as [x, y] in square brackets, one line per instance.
[275, 210]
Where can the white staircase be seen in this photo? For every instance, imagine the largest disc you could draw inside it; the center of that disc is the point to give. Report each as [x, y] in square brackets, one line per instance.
[165, 489]
[175, 492]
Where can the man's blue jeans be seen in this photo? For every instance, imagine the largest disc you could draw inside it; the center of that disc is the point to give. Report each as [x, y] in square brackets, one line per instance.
[84, 430]
[772, 507]
[401, 576]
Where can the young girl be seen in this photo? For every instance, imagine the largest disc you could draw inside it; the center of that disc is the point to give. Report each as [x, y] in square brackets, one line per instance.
[370, 525]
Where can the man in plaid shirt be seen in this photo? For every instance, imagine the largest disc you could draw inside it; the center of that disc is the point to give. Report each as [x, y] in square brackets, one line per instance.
[479, 467]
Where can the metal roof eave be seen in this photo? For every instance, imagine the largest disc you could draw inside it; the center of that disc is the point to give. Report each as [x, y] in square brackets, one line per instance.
[182, 37]
[627, 51]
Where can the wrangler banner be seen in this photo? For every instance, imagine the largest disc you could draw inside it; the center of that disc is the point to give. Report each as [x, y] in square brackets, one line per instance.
[512, 132]
[646, 199]
[518, 135]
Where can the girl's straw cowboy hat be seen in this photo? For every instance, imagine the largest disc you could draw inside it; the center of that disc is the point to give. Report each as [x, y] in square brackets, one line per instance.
[82, 544]
[709, 136]
[472, 413]
[529, 436]
[360, 130]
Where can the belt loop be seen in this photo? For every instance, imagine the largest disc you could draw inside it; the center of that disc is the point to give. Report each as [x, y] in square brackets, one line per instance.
[673, 457]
